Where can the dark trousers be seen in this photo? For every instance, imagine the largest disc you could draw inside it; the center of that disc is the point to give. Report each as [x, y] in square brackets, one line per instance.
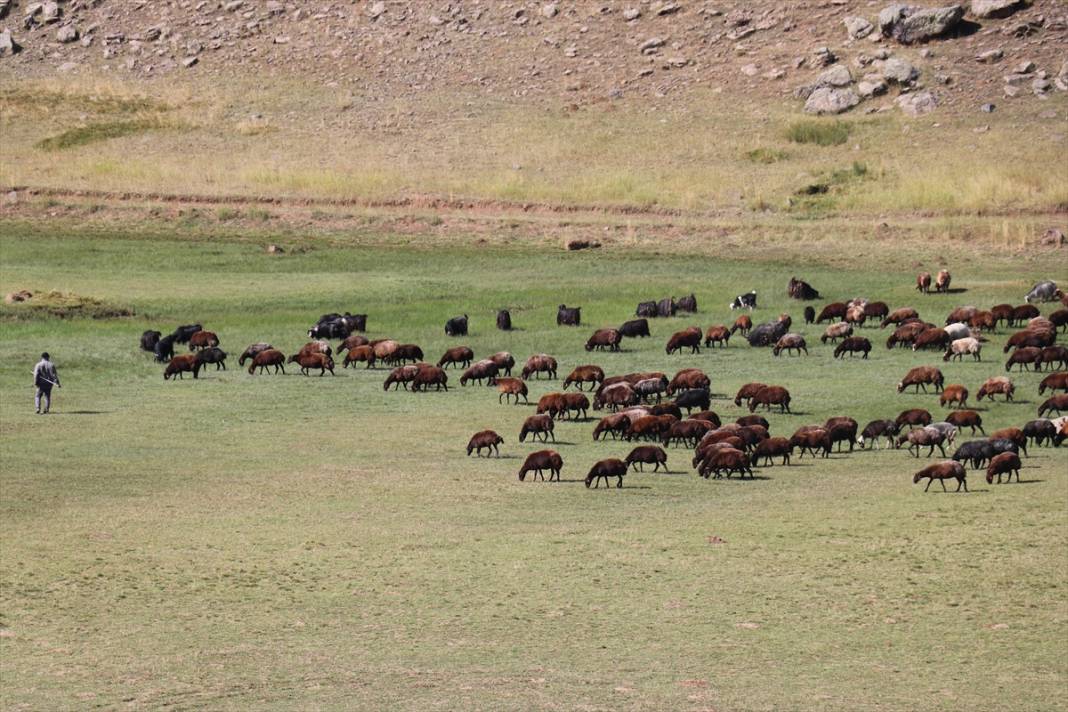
[43, 389]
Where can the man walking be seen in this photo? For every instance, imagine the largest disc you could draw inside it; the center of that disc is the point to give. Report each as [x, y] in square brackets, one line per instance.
[44, 377]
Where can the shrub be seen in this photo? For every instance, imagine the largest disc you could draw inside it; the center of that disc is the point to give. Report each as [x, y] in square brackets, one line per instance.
[821, 133]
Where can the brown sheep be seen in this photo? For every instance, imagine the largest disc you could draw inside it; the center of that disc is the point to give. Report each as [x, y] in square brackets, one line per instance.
[954, 393]
[540, 363]
[942, 281]
[512, 386]
[906, 333]
[1023, 313]
[688, 379]
[644, 455]
[1054, 382]
[743, 324]
[834, 310]
[876, 310]
[790, 343]
[812, 440]
[384, 349]
[360, 353]
[430, 376]
[920, 438]
[931, 339]
[717, 335]
[585, 374]
[747, 392]
[604, 339]
[838, 330]
[316, 347]
[542, 460]
[920, 377]
[1057, 403]
[309, 361]
[853, 345]
[1002, 313]
[1039, 338]
[203, 340]
[942, 471]
[914, 418]
[615, 396]
[769, 396]
[842, 429]
[1059, 319]
[352, 341]
[725, 461]
[966, 419]
[181, 364]
[961, 315]
[602, 470]
[855, 315]
[687, 432]
[999, 385]
[706, 415]
[690, 337]
[252, 350]
[616, 424]
[650, 427]
[747, 420]
[1054, 355]
[899, 316]
[400, 376]
[538, 425]
[484, 439]
[485, 369]
[552, 404]
[458, 355]
[265, 359]
[770, 448]
[1005, 463]
[1025, 356]
[982, 321]
[576, 402]
[923, 282]
[505, 361]
[1014, 435]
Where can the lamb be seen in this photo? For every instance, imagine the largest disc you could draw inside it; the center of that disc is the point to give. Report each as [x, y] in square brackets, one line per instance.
[999, 385]
[484, 439]
[954, 393]
[265, 359]
[943, 471]
[877, 429]
[602, 470]
[540, 363]
[537, 425]
[838, 330]
[790, 343]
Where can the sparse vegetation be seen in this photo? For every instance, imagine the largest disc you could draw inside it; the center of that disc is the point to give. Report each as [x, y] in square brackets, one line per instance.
[819, 132]
[766, 156]
[102, 131]
[226, 214]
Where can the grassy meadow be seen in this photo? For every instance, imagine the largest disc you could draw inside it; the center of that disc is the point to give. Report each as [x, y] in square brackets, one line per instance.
[290, 542]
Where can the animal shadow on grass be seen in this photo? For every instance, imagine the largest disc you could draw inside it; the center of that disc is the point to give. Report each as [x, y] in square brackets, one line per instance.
[740, 479]
[956, 290]
[82, 412]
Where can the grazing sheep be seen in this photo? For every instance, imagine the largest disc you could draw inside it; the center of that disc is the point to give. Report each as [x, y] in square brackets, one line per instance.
[585, 374]
[540, 363]
[954, 393]
[484, 439]
[906, 334]
[920, 377]
[960, 347]
[552, 404]
[365, 353]
[878, 429]
[999, 385]
[838, 330]
[1039, 431]
[699, 398]
[767, 334]
[1013, 435]
[688, 379]
[966, 419]
[982, 321]
[650, 427]
[688, 304]
[1005, 463]
[855, 315]
[842, 429]
[977, 452]
[212, 354]
[602, 470]
[650, 388]
[920, 438]
[923, 282]
[541, 460]
[800, 289]
[616, 424]
[308, 361]
[203, 340]
[1055, 356]
[605, 339]
[252, 350]
[914, 418]
[1044, 291]
[771, 448]
[459, 355]
[1002, 313]
[1059, 319]
[1057, 403]
[384, 349]
[832, 311]
[943, 471]
[164, 348]
[687, 432]
[512, 386]
[790, 343]
[183, 333]
[742, 324]
[430, 376]
[769, 396]
[180, 364]
[942, 281]
[406, 352]
[265, 359]
[957, 330]
[1054, 382]
[931, 339]
[747, 420]
[961, 314]
[876, 310]
[315, 347]
[566, 316]
[504, 361]
[747, 392]
[149, 339]
[1023, 313]
[726, 461]
[643, 455]
[853, 345]
[813, 440]
[1024, 357]
[635, 328]
[690, 337]
[615, 396]
[576, 402]
[706, 415]
[899, 316]
[400, 376]
[1036, 338]
[948, 430]
[717, 335]
[456, 326]
[537, 425]
[485, 369]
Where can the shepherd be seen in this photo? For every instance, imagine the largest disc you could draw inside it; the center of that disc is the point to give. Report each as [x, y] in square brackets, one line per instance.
[44, 377]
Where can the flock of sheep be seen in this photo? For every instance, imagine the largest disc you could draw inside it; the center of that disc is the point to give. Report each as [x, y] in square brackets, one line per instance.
[636, 405]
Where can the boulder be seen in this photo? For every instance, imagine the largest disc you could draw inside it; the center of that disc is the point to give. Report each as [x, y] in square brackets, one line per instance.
[898, 71]
[917, 104]
[890, 16]
[8, 45]
[858, 27]
[836, 76]
[67, 34]
[870, 86]
[990, 56]
[923, 25]
[828, 100]
[996, 8]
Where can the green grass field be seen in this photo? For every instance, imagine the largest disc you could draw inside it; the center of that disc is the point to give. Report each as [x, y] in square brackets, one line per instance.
[281, 543]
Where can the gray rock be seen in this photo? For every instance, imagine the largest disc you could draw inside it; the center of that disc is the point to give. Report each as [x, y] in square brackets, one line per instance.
[824, 57]
[652, 44]
[1011, 90]
[868, 88]
[990, 56]
[996, 8]
[987, 108]
[890, 16]
[549, 11]
[750, 70]
[8, 45]
[1025, 67]
[376, 9]
[190, 61]
[50, 12]
[858, 27]
[1041, 86]
[927, 24]
[827, 100]
[67, 34]
[898, 71]
[918, 104]
[837, 76]
[5, 5]
[273, 7]
[631, 14]
[667, 8]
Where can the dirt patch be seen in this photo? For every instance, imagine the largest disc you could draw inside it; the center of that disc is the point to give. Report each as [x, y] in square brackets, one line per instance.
[26, 305]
